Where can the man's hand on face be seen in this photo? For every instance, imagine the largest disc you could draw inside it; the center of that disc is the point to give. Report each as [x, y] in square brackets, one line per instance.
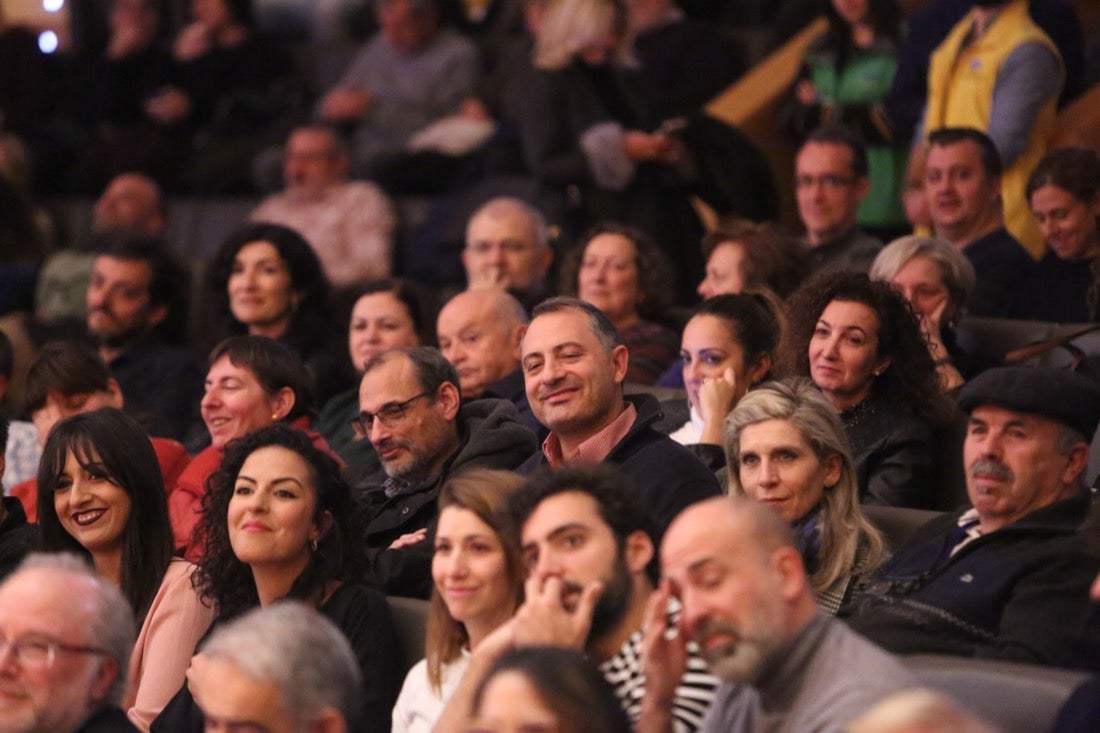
[556, 613]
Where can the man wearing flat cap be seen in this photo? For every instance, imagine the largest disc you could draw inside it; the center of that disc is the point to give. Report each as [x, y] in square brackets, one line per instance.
[1008, 577]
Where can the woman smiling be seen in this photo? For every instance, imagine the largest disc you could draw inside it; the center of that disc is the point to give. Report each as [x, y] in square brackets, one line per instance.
[101, 494]
[477, 576]
[278, 522]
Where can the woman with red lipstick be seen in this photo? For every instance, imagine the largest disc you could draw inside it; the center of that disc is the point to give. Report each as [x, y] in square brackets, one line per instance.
[786, 447]
[266, 280]
[1064, 193]
[252, 382]
[101, 495]
[619, 270]
[860, 343]
[728, 346]
[279, 522]
[478, 575]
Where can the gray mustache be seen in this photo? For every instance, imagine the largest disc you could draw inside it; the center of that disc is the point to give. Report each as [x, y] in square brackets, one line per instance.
[991, 467]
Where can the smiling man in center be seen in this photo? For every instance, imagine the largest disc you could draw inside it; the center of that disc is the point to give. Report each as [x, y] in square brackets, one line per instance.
[574, 367]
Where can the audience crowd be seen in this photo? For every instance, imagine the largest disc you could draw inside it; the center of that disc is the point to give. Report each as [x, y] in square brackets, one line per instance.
[621, 461]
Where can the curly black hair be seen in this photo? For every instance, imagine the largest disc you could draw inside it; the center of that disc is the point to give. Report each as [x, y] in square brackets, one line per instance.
[311, 325]
[911, 382]
[651, 263]
[224, 579]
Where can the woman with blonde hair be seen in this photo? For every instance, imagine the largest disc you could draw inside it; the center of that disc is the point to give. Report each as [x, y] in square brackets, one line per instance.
[786, 447]
[478, 575]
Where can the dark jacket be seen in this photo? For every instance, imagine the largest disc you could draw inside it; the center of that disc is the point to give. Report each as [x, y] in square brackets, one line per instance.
[513, 389]
[108, 720]
[17, 536]
[666, 475]
[491, 436]
[1020, 593]
[893, 453]
[162, 385]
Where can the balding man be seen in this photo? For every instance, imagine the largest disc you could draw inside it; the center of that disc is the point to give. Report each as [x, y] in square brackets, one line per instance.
[479, 332]
[349, 224]
[65, 641]
[1009, 577]
[746, 602]
[507, 248]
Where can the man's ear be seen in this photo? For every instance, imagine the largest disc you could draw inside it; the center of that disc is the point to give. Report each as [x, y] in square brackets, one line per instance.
[157, 314]
[329, 720]
[863, 187]
[104, 678]
[516, 339]
[118, 400]
[792, 573]
[620, 361]
[638, 551]
[449, 398]
[1076, 461]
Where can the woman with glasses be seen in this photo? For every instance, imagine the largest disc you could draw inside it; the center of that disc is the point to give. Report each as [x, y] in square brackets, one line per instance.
[477, 576]
[252, 382]
[278, 522]
[101, 495]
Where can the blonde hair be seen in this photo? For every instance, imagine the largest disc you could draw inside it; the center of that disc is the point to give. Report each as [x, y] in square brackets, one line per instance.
[571, 25]
[850, 545]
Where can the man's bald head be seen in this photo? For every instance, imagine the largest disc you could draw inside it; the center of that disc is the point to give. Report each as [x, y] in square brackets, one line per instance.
[741, 581]
[507, 247]
[132, 202]
[479, 331]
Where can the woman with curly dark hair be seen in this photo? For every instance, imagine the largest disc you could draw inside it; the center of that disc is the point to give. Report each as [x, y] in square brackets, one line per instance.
[278, 522]
[860, 343]
[619, 270]
[266, 280]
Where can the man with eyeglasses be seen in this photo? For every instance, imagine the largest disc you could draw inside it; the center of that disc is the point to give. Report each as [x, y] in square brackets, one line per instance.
[411, 411]
[65, 641]
[830, 181]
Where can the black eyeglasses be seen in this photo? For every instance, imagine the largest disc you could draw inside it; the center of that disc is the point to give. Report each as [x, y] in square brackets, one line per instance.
[39, 652]
[389, 415]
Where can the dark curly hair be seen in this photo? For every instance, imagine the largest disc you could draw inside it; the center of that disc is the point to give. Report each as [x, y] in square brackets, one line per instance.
[311, 324]
[228, 582]
[652, 266]
[911, 382]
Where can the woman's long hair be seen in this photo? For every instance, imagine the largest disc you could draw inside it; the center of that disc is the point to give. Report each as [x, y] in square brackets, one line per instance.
[484, 492]
[110, 443]
[844, 529]
[910, 383]
[228, 582]
[311, 324]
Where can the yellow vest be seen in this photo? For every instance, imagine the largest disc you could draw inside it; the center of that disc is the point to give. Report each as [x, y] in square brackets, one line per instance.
[960, 94]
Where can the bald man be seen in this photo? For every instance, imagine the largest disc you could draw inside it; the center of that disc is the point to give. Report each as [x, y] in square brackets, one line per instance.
[479, 332]
[746, 602]
[508, 248]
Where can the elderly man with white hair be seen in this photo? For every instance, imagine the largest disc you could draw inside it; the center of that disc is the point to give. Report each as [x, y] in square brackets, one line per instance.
[282, 668]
